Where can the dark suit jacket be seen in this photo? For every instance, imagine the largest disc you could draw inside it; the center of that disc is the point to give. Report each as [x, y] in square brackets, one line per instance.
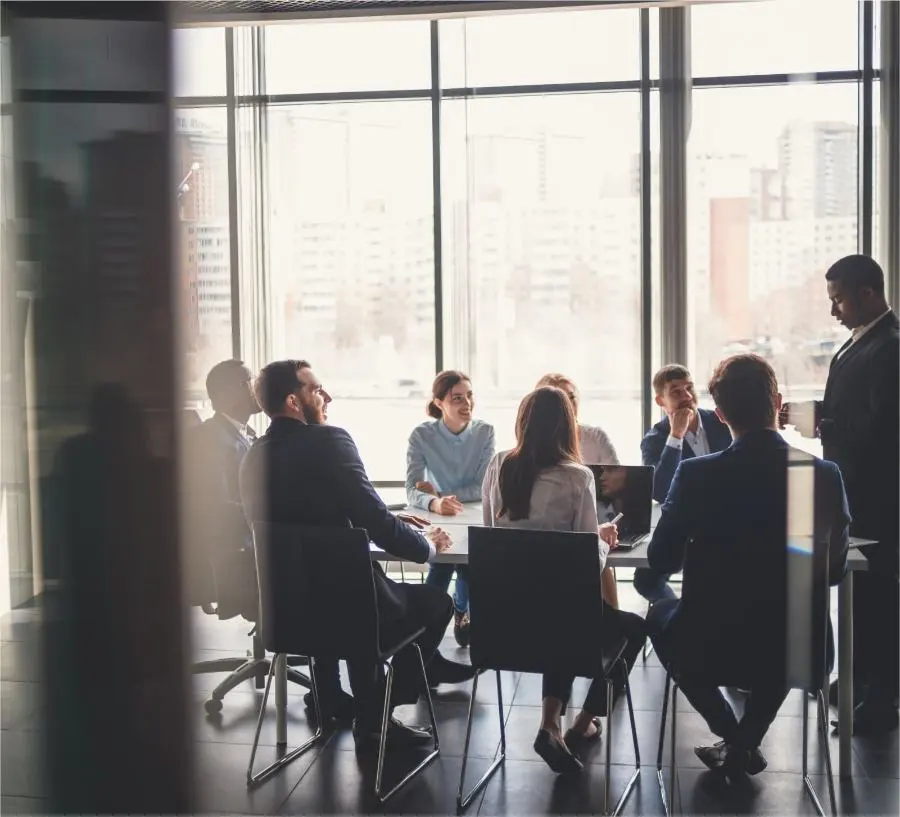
[859, 423]
[724, 523]
[298, 474]
[220, 544]
[665, 459]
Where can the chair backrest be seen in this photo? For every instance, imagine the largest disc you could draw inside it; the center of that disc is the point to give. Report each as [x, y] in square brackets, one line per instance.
[316, 591]
[535, 600]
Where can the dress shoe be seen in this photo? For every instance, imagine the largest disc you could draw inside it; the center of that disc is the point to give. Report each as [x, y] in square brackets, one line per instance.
[712, 756]
[556, 754]
[750, 761]
[441, 670]
[399, 736]
[339, 707]
[461, 628]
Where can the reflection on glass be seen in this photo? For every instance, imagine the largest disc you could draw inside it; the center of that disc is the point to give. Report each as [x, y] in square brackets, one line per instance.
[539, 48]
[204, 280]
[774, 37]
[348, 56]
[542, 253]
[772, 203]
[352, 261]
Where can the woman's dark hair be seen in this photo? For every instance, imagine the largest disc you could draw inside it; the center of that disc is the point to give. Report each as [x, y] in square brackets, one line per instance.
[546, 435]
[441, 386]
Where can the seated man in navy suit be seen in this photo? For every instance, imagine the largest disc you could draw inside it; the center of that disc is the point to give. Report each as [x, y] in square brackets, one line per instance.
[746, 597]
[305, 472]
[686, 431]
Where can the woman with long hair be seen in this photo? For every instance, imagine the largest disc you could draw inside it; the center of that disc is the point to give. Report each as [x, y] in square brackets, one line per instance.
[445, 465]
[542, 484]
[596, 449]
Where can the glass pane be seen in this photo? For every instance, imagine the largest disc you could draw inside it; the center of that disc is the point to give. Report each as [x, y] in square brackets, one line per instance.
[82, 55]
[542, 253]
[352, 262]
[774, 37]
[201, 158]
[526, 49]
[199, 61]
[356, 56]
[772, 200]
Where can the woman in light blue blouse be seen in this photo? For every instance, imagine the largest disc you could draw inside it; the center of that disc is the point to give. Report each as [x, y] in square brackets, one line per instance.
[445, 465]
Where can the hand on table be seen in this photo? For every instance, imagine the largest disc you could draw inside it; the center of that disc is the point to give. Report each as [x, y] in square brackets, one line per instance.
[609, 533]
[440, 539]
[415, 521]
[446, 506]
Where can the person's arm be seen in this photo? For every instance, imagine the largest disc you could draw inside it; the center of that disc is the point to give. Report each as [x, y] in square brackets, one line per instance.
[471, 491]
[664, 454]
[415, 473]
[665, 553]
[491, 475]
[839, 540]
[365, 508]
[585, 520]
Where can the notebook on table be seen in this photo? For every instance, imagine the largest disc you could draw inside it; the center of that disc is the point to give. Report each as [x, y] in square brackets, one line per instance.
[625, 489]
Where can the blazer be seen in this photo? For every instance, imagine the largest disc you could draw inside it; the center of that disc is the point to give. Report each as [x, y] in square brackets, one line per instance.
[859, 423]
[299, 474]
[665, 459]
[724, 523]
[220, 542]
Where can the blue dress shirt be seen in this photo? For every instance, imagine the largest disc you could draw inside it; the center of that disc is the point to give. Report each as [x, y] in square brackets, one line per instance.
[453, 463]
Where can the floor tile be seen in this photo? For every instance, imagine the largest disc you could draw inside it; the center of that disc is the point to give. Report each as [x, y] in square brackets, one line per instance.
[23, 805]
[22, 764]
[21, 705]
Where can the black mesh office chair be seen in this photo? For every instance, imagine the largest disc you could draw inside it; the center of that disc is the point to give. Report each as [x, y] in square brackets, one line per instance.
[804, 658]
[317, 597]
[508, 570]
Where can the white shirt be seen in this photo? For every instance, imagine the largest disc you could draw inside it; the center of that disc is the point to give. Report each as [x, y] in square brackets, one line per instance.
[697, 440]
[241, 427]
[857, 333]
[596, 447]
[564, 498]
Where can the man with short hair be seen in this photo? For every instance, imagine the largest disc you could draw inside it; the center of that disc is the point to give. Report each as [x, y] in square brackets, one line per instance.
[858, 421]
[725, 524]
[686, 431]
[313, 475]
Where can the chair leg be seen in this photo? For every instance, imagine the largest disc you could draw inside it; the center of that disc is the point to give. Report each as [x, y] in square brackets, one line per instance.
[255, 779]
[249, 668]
[463, 802]
[662, 742]
[432, 755]
[670, 810]
[623, 798]
[648, 644]
[822, 721]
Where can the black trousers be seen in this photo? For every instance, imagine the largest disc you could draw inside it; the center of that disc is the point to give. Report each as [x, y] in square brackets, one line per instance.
[616, 625]
[876, 629]
[760, 708]
[427, 607]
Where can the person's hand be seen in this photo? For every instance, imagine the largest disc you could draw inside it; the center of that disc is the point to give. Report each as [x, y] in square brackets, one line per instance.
[446, 506]
[680, 422]
[426, 488]
[440, 539]
[609, 533]
[415, 521]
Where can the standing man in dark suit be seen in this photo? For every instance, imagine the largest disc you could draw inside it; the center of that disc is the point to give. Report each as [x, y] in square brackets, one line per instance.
[686, 431]
[858, 422]
[725, 523]
[305, 472]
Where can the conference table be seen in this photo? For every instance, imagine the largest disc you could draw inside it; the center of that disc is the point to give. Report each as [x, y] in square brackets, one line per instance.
[458, 529]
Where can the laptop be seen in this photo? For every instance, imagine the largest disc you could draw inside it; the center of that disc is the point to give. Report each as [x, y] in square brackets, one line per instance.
[625, 489]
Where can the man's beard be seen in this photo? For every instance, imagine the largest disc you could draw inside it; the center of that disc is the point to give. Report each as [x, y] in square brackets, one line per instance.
[314, 415]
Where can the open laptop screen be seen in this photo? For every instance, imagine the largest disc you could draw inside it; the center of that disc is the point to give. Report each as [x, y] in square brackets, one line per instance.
[625, 489]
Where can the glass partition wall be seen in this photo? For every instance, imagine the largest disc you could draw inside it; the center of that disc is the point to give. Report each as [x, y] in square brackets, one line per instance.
[483, 193]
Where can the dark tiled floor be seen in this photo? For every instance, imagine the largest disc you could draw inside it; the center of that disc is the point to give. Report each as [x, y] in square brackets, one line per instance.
[331, 779]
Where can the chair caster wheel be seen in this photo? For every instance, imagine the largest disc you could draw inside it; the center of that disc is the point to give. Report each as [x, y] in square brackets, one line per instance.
[212, 706]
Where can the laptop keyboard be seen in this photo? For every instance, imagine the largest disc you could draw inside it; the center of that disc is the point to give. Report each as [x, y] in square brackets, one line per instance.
[634, 539]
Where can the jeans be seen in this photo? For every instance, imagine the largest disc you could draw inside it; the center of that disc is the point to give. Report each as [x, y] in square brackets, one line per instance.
[653, 585]
[439, 576]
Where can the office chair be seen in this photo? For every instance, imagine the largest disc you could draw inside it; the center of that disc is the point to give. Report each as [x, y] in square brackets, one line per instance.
[509, 569]
[317, 597]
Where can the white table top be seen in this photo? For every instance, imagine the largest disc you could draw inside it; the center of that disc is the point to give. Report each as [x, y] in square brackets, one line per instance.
[458, 528]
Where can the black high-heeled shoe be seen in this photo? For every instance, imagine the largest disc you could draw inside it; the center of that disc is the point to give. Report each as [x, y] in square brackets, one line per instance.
[577, 742]
[556, 754]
